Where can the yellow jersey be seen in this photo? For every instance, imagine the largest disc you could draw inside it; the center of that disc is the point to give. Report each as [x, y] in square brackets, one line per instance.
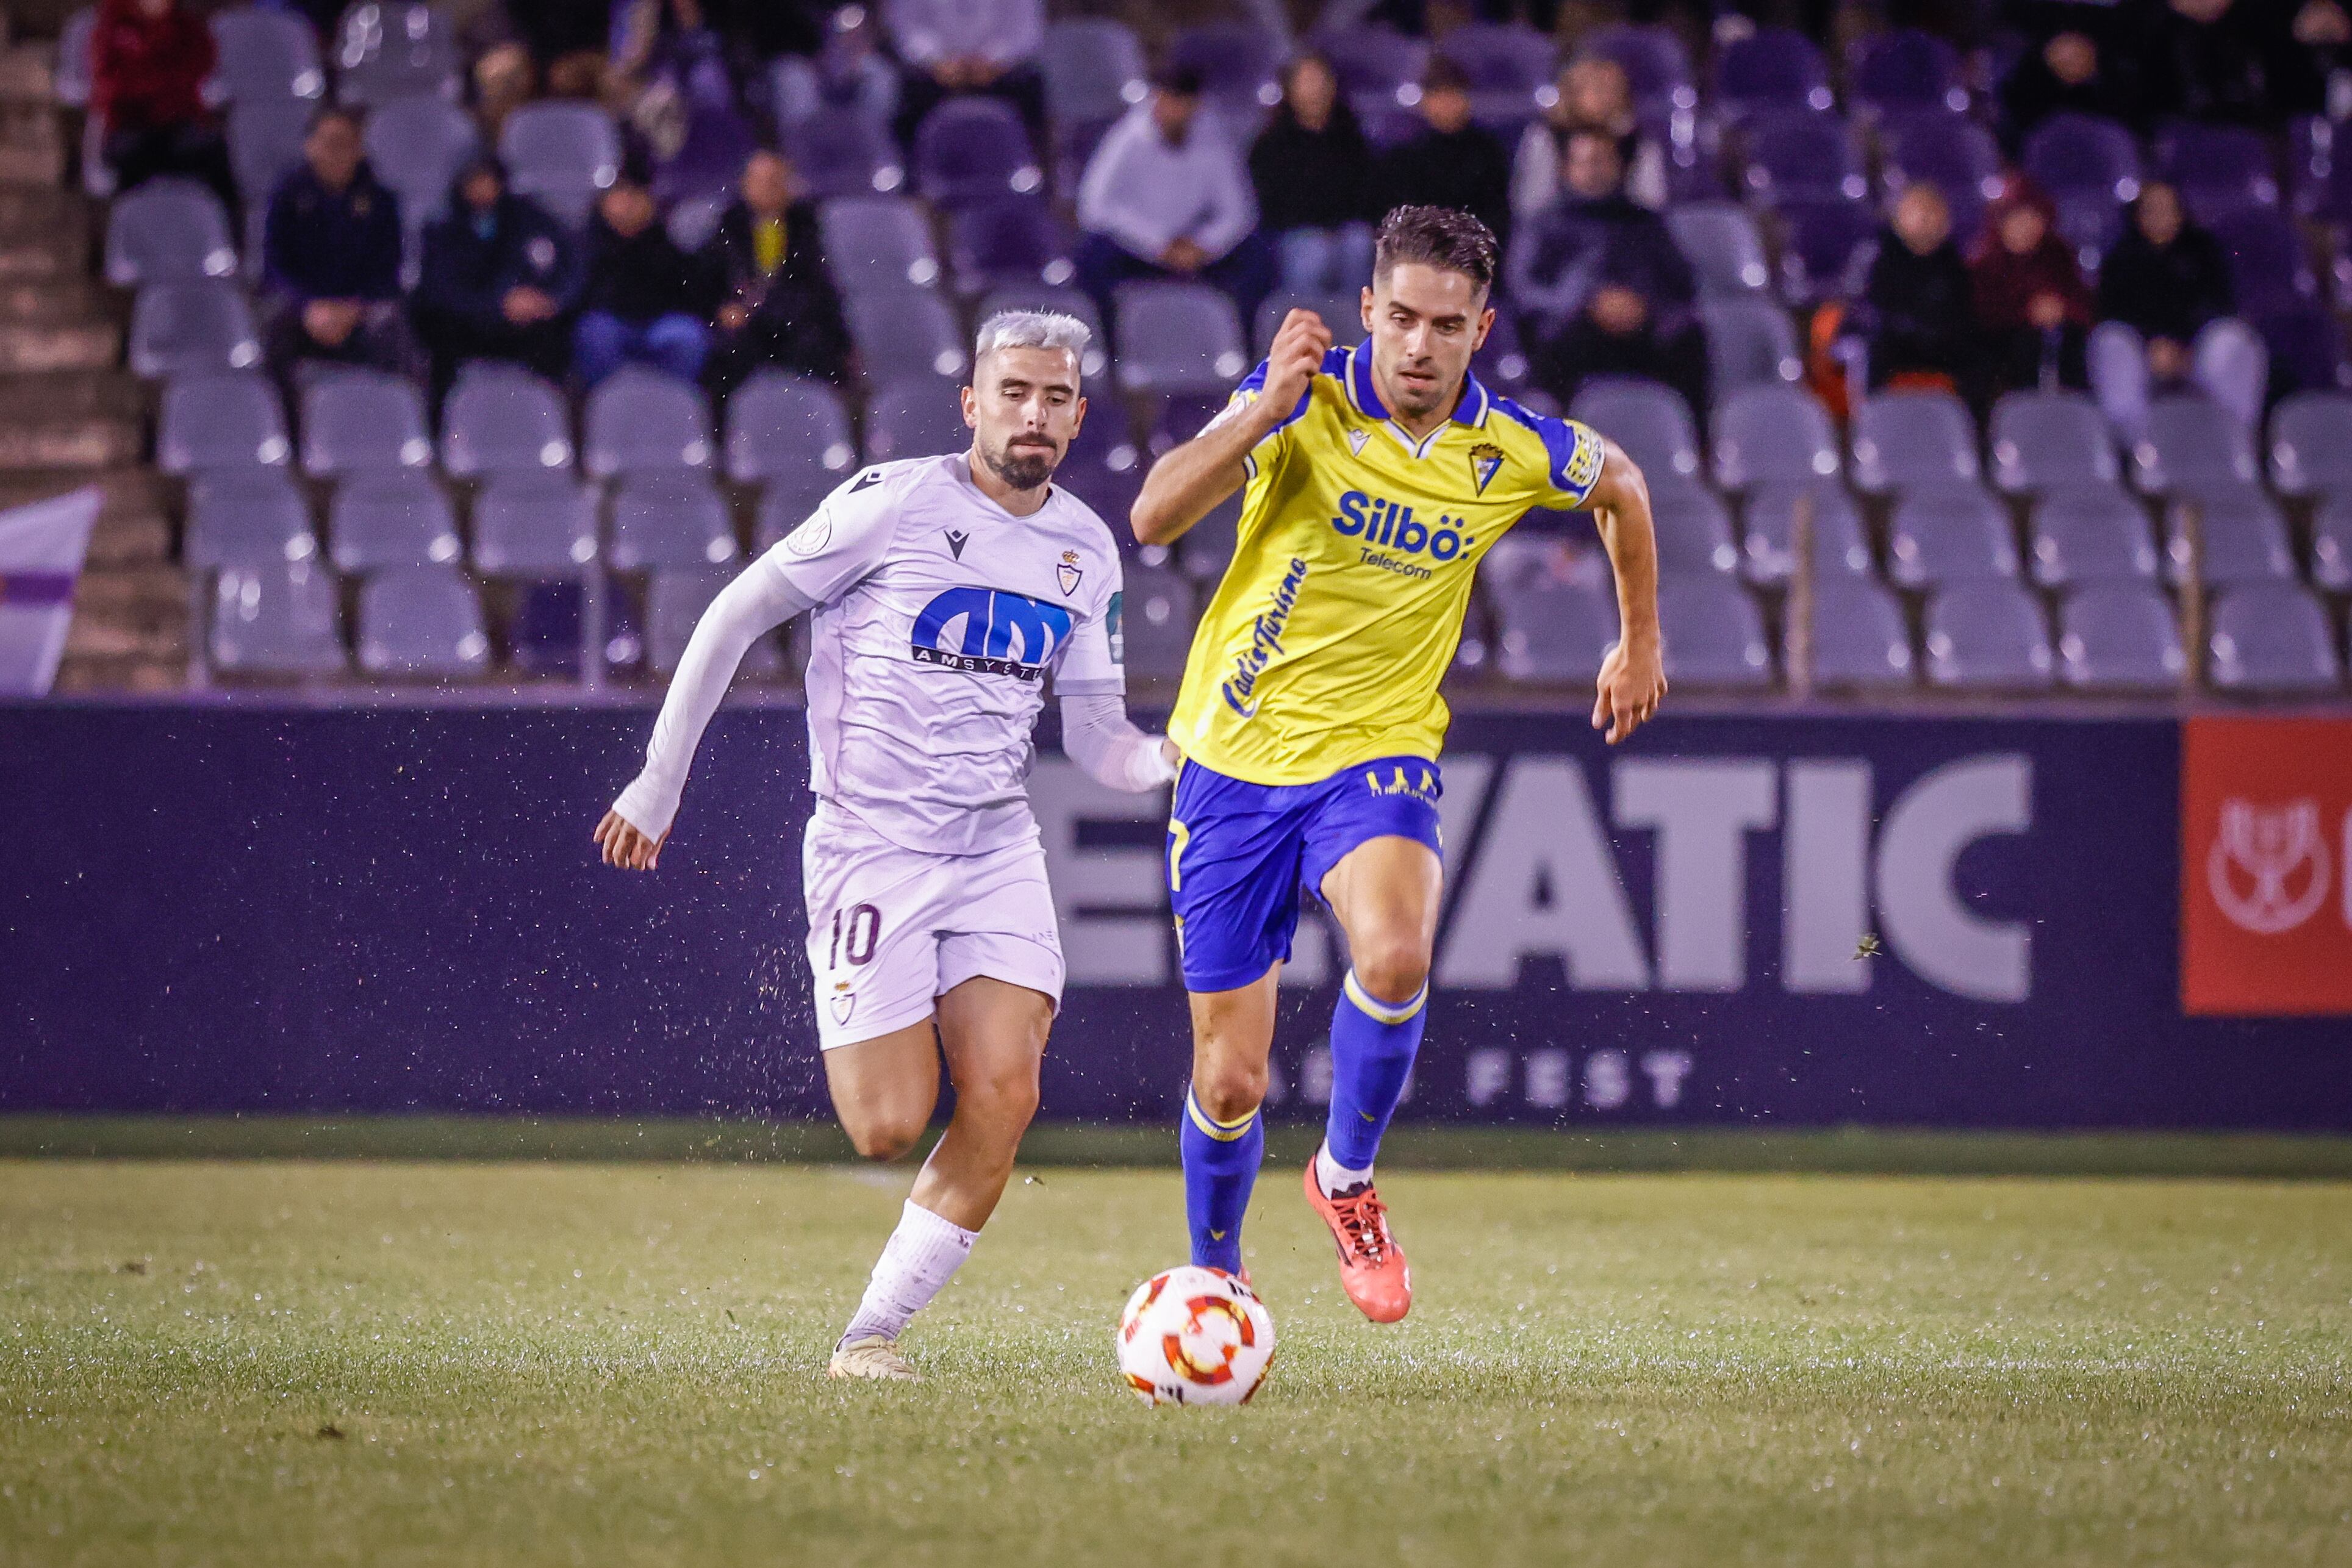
[1339, 612]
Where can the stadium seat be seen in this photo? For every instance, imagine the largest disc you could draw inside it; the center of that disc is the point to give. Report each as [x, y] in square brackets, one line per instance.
[246, 516]
[230, 419]
[1651, 422]
[2273, 637]
[789, 502]
[675, 599]
[1179, 418]
[2311, 443]
[266, 54]
[878, 245]
[415, 145]
[1157, 621]
[281, 618]
[1341, 312]
[168, 231]
[1378, 68]
[2218, 168]
[1910, 438]
[907, 334]
[781, 424]
[1840, 548]
[70, 78]
[2245, 536]
[1066, 300]
[1015, 242]
[1764, 433]
[842, 153]
[1501, 361]
[2320, 164]
[1178, 338]
[1949, 532]
[422, 622]
[1207, 547]
[560, 153]
[1749, 343]
[2090, 533]
[1110, 492]
[1238, 62]
[975, 149]
[355, 419]
[1825, 251]
[2331, 544]
[1510, 65]
[2191, 442]
[672, 517]
[1656, 65]
[534, 523]
[1799, 153]
[2044, 439]
[1988, 635]
[190, 329]
[1860, 640]
[639, 420]
[1104, 446]
[919, 418]
[499, 419]
[1905, 72]
[1772, 67]
[2269, 266]
[1721, 244]
[1094, 69]
[265, 145]
[392, 516]
[1694, 529]
[2118, 637]
[387, 49]
[1958, 157]
[2090, 166]
[1552, 623]
[1714, 634]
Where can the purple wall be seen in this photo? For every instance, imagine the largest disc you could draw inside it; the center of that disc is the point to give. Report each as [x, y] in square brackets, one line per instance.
[265, 909]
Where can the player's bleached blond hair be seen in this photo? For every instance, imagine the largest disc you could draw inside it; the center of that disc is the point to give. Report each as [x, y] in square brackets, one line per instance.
[1032, 330]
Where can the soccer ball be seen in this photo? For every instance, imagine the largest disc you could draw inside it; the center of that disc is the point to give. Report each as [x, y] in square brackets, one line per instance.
[1194, 1336]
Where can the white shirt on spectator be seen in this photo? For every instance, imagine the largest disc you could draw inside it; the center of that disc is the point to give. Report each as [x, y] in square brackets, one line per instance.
[1146, 192]
[1002, 32]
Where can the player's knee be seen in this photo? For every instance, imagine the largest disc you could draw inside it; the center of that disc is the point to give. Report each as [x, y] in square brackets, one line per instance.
[1006, 1096]
[1391, 968]
[888, 1136]
[1228, 1091]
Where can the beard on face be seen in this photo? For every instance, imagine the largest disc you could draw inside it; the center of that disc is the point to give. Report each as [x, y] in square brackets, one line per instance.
[1023, 467]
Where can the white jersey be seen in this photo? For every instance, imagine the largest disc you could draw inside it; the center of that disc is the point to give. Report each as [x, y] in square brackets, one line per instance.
[939, 614]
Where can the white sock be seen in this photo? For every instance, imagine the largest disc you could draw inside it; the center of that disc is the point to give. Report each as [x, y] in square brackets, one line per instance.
[1334, 1177]
[922, 1255]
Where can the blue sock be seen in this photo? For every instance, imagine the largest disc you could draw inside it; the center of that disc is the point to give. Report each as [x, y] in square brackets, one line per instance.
[1374, 1043]
[1221, 1160]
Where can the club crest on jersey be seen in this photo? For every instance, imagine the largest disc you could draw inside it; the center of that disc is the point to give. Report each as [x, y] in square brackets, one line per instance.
[1355, 439]
[989, 632]
[1067, 569]
[1485, 462]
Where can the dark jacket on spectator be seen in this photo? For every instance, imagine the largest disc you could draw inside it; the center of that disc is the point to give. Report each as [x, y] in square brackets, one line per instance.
[2005, 284]
[2243, 67]
[2032, 92]
[2167, 292]
[1468, 169]
[644, 278]
[1916, 310]
[1577, 246]
[469, 267]
[320, 245]
[1312, 179]
[149, 72]
[796, 316]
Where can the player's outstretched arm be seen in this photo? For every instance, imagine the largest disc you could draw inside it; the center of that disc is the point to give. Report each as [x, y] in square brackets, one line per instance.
[1633, 677]
[1110, 748]
[632, 833]
[1183, 486]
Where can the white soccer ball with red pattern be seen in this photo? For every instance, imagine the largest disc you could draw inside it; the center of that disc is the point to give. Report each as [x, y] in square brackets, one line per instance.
[1194, 1336]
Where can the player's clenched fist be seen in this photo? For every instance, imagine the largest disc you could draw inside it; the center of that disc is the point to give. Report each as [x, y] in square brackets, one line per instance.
[625, 846]
[1297, 354]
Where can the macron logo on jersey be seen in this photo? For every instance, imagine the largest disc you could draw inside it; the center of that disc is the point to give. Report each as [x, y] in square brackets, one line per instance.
[989, 632]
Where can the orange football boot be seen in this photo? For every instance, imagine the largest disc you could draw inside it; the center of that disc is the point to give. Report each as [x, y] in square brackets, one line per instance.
[1373, 1268]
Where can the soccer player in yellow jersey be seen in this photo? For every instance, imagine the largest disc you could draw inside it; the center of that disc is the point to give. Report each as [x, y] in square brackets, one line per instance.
[1378, 478]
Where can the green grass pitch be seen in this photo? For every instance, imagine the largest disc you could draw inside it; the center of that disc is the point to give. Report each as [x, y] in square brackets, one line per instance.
[324, 1361]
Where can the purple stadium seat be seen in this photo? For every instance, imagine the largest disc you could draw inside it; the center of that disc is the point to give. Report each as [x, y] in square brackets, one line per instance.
[168, 231]
[1907, 438]
[2118, 637]
[1907, 72]
[1161, 610]
[842, 153]
[1840, 548]
[1988, 633]
[1238, 62]
[1720, 242]
[415, 145]
[2267, 260]
[562, 155]
[534, 523]
[189, 329]
[1749, 342]
[1179, 417]
[1947, 533]
[1555, 617]
[265, 145]
[1178, 338]
[1341, 312]
[1015, 242]
[1376, 66]
[2218, 168]
[2273, 637]
[676, 598]
[281, 618]
[1824, 238]
[1773, 68]
[1510, 66]
[228, 419]
[1958, 157]
[673, 517]
[266, 54]
[354, 420]
[2331, 544]
[246, 517]
[914, 418]
[905, 334]
[1651, 422]
[2244, 535]
[2090, 532]
[2311, 443]
[1694, 530]
[640, 420]
[397, 50]
[1094, 69]
[2043, 439]
[2321, 165]
[1501, 361]
[1766, 433]
[1655, 61]
[70, 76]
[500, 418]
[1860, 638]
[878, 245]
[1797, 153]
[2191, 442]
[780, 425]
[392, 516]
[975, 149]
[1714, 635]
[422, 623]
[2091, 167]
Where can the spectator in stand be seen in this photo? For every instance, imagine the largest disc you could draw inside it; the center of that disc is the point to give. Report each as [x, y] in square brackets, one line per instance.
[2031, 301]
[1602, 288]
[561, 43]
[2232, 62]
[330, 258]
[149, 62]
[778, 306]
[668, 80]
[1311, 168]
[1165, 196]
[645, 301]
[951, 47]
[1452, 162]
[2079, 62]
[499, 281]
[1592, 90]
[1915, 313]
[2165, 299]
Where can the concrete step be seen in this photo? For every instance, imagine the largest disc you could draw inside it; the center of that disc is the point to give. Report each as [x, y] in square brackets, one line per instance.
[33, 162]
[127, 493]
[28, 75]
[36, 210]
[72, 394]
[62, 256]
[131, 613]
[71, 419]
[81, 346]
[62, 302]
[69, 444]
[85, 673]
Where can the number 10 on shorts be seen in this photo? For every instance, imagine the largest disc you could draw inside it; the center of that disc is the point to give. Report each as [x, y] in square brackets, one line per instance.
[854, 932]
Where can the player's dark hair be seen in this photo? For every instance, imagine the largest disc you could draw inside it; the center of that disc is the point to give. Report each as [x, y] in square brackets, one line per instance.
[1436, 237]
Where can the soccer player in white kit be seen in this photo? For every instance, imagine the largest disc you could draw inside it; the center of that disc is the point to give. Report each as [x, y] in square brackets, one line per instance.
[943, 590]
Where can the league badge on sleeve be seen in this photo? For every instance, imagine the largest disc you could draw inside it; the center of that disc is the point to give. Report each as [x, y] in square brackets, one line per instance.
[1068, 571]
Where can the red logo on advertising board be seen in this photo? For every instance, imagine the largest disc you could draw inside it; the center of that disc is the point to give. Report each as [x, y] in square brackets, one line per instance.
[2265, 847]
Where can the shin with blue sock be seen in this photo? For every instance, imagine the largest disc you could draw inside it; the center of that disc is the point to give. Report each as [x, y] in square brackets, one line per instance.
[1221, 1161]
[1374, 1044]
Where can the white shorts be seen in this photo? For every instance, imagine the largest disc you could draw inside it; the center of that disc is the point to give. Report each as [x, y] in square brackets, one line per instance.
[891, 929]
